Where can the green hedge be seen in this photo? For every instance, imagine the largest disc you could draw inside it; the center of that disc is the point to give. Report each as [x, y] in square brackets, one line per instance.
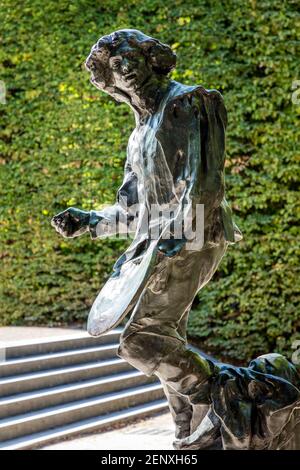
[63, 143]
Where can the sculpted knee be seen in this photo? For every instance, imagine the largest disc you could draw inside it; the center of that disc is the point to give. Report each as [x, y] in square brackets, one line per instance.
[124, 350]
[133, 349]
[128, 347]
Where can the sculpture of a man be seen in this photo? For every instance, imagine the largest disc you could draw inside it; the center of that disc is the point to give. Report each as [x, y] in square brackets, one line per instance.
[175, 157]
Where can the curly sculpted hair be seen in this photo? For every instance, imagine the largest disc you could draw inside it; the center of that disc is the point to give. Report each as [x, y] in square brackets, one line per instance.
[160, 56]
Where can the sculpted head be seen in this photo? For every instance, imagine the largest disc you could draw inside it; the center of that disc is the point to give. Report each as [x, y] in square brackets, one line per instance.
[123, 61]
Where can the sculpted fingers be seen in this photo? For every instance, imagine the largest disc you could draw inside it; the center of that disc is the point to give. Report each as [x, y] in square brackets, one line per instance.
[64, 224]
[71, 223]
[55, 221]
[61, 223]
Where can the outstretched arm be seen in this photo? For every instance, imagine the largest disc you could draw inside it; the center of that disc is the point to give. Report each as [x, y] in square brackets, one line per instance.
[118, 218]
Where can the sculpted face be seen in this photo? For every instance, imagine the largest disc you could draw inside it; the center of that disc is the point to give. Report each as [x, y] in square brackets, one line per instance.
[129, 68]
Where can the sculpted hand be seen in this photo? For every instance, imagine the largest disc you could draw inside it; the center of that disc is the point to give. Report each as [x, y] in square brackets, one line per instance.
[71, 223]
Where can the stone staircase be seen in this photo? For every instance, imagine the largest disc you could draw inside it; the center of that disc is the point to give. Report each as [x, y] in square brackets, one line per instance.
[68, 385]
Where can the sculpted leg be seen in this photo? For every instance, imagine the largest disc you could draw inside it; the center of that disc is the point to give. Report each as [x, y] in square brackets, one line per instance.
[181, 411]
[180, 407]
[154, 340]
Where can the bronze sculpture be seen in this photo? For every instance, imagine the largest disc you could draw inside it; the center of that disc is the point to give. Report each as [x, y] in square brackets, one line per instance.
[175, 158]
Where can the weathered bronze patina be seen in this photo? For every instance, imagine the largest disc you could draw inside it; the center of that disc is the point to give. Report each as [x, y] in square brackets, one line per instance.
[175, 158]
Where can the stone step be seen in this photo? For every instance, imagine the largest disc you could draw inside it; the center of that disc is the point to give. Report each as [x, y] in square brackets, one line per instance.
[13, 385]
[98, 423]
[57, 359]
[37, 421]
[55, 344]
[25, 402]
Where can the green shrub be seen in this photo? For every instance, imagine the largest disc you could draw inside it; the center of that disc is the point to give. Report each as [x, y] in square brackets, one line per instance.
[63, 143]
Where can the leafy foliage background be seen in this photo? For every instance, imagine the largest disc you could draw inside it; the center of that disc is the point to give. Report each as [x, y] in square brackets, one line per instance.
[63, 143]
